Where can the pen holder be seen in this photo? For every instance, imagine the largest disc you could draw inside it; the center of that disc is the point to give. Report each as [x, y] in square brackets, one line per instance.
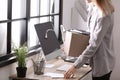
[39, 67]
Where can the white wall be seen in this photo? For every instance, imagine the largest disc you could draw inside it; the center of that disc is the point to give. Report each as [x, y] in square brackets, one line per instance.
[68, 4]
[116, 72]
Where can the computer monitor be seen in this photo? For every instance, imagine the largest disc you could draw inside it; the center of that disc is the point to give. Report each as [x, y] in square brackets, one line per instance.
[48, 40]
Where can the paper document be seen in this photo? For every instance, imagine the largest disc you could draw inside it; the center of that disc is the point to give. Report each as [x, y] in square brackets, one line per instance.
[54, 75]
[64, 67]
[49, 65]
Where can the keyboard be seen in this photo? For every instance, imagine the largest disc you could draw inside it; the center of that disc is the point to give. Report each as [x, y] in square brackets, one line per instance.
[63, 67]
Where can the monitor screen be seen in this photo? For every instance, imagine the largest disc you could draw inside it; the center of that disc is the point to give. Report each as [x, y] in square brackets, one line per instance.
[47, 37]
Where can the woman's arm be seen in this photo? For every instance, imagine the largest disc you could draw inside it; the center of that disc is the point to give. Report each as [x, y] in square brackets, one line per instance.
[96, 38]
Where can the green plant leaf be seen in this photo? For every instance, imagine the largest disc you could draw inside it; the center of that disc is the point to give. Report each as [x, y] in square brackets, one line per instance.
[20, 54]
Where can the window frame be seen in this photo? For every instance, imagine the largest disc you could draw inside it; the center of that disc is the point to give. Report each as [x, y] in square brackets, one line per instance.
[9, 58]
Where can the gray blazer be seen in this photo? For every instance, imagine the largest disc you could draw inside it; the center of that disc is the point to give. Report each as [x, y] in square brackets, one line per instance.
[99, 50]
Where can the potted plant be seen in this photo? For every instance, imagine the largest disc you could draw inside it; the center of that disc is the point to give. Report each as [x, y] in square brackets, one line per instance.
[20, 54]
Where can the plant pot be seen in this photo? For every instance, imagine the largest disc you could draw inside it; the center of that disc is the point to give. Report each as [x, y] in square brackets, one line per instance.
[21, 71]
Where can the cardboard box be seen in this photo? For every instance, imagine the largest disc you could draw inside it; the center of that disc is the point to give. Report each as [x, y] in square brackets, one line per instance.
[75, 43]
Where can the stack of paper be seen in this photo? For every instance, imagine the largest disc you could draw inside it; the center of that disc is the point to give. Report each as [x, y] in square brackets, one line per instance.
[54, 75]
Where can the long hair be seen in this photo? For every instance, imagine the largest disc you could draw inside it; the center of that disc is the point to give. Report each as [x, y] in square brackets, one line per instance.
[106, 6]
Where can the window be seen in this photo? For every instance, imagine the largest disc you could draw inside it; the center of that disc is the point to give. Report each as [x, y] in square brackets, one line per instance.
[3, 12]
[17, 21]
[3, 39]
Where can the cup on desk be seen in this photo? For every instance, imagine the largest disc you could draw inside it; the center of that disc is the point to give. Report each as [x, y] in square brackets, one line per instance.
[39, 67]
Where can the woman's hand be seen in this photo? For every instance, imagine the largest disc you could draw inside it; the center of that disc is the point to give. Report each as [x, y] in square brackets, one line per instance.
[70, 72]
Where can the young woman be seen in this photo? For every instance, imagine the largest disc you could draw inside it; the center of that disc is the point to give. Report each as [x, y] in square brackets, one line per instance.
[99, 50]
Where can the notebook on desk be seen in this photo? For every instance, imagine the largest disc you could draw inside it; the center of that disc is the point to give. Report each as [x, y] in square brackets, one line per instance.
[56, 75]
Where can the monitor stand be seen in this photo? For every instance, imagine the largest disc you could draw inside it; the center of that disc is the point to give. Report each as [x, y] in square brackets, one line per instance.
[69, 59]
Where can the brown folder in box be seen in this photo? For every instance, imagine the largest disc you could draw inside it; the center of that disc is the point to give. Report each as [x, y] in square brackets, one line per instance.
[75, 43]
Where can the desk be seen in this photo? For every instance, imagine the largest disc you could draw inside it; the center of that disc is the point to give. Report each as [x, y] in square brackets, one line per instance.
[57, 62]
